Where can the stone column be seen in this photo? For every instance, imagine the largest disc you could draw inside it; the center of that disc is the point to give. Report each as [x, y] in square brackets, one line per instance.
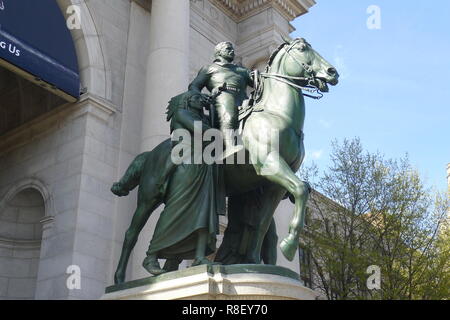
[167, 67]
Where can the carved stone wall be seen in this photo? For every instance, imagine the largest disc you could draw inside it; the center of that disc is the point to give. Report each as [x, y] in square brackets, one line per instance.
[22, 101]
[254, 26]
[240, 10]
[20, 244]
[209, 26]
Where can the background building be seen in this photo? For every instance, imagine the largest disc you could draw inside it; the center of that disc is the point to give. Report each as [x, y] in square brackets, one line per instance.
[60, 152]
[448, 175]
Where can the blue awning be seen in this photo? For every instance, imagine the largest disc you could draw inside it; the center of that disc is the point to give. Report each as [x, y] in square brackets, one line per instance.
[36, 43]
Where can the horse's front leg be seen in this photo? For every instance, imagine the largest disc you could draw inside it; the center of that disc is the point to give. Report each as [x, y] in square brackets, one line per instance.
[274, 168]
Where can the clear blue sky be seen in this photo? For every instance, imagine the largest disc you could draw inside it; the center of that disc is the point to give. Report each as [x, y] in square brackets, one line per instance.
[395, 82]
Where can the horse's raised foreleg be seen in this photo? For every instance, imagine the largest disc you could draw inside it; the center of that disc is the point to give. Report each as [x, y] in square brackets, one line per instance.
[140, 217]
[275, 169]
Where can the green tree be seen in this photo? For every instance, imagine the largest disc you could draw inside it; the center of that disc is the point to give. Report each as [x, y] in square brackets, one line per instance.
[375, 211]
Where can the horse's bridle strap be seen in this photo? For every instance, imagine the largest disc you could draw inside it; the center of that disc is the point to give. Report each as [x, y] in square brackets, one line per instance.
[286, 79]
[289, 77]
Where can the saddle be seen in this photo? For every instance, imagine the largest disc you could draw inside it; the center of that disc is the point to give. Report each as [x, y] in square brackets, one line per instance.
[250, 105]
[247, 108]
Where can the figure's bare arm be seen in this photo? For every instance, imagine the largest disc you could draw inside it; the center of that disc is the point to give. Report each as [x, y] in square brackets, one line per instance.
[187, 118]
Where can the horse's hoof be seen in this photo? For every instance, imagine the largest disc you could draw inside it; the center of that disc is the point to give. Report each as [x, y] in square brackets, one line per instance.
[289, 247]
[119, 277]
[118, 190]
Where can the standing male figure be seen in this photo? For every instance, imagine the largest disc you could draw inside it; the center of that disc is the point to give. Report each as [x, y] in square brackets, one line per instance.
[233, 79]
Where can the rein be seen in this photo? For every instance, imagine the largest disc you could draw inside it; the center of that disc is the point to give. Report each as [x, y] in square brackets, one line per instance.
[310, 87]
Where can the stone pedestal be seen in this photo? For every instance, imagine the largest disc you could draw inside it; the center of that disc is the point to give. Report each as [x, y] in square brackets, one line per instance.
[234, 282]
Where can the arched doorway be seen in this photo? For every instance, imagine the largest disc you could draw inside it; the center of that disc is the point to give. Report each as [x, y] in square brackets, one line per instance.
[20, 244]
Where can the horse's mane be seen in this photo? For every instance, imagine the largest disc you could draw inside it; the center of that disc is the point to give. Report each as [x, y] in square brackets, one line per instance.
[277, 50]
[257, 94]
[274, 54]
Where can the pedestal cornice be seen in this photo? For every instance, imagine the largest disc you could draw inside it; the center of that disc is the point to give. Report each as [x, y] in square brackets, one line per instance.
[88, 104]
[242, 9]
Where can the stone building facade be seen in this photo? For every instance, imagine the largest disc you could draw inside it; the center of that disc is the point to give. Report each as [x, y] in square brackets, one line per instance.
[58, 160]
[448, 175]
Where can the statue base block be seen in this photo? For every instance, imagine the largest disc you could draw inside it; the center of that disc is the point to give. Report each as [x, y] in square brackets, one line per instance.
[217, 282]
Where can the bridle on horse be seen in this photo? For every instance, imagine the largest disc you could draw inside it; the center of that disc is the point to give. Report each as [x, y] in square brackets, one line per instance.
[252, 105]
[289, 80]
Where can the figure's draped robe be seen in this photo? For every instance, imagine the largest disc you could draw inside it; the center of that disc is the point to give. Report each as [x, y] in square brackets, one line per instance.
[194, 197]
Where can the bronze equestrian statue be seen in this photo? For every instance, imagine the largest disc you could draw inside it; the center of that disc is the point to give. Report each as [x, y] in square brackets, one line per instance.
[255, 189]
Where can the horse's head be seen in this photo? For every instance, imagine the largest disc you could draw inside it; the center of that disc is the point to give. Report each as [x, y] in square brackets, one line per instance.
[301, 60]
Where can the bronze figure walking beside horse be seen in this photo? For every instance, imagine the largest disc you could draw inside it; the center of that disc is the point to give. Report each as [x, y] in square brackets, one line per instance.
[254, 190]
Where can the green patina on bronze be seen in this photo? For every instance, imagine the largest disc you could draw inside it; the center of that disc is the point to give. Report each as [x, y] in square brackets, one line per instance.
[211, 270]
[188, 225]
[253, 193]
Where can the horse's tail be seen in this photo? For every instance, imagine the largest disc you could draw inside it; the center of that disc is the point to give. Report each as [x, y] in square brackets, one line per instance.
[132, 176]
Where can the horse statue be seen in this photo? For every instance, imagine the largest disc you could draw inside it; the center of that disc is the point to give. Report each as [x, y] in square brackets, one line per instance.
[255, 189]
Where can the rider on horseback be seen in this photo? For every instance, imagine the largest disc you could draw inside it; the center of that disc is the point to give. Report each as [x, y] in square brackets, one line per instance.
[222, 73]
